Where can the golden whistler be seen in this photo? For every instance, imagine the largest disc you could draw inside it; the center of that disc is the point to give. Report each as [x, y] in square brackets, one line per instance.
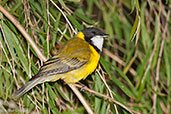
[75, 60]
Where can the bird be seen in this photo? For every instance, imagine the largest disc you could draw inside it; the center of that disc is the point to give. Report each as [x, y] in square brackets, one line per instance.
[77, 59]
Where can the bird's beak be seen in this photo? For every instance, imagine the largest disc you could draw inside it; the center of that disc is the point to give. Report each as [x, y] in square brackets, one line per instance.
[105, 35]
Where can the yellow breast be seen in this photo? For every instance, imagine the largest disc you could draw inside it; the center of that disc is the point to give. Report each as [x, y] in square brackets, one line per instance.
[82, 72]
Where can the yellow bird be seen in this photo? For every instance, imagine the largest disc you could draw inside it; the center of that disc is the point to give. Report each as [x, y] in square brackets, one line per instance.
[77, 59]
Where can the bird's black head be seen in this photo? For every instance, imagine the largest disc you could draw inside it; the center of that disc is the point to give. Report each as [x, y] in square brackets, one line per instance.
[92, 32]
[95, 37]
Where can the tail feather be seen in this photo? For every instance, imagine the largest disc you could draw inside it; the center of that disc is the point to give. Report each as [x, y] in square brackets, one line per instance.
[27, 87]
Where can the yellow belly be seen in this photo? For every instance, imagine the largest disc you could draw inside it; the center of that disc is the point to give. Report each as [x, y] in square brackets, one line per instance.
[81, 73]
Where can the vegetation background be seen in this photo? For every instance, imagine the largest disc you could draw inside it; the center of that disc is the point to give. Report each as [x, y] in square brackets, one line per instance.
[135, 61]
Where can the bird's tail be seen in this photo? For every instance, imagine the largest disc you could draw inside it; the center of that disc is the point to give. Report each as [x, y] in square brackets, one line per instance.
[33, 82]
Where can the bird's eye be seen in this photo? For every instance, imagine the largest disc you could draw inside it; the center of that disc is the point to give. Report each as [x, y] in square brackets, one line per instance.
[94, 32]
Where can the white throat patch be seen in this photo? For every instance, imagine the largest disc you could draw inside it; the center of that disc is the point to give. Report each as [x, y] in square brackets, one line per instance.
[98, 42]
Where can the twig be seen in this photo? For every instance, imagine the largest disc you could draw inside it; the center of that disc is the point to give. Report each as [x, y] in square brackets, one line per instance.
[85, 104]
[11, 65]
[158, 62]
[110, 91]
[64, 16]
[109, 98]
[159, 58]
[24, 33]
[41, 56]
[151, 57]
[48, 32]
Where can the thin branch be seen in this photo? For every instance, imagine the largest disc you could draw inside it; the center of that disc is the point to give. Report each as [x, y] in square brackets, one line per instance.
[48, 30]
[24, 33]
[107, 97]
[64, 16]
[85, 104]
[158, 62]
[108, 88]
[159, 59]
[11, 65]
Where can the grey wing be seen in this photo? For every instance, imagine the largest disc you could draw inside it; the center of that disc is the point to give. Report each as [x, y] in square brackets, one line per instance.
[60, 65]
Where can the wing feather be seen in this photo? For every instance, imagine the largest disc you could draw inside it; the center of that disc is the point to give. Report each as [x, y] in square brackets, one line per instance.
[71, 57]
